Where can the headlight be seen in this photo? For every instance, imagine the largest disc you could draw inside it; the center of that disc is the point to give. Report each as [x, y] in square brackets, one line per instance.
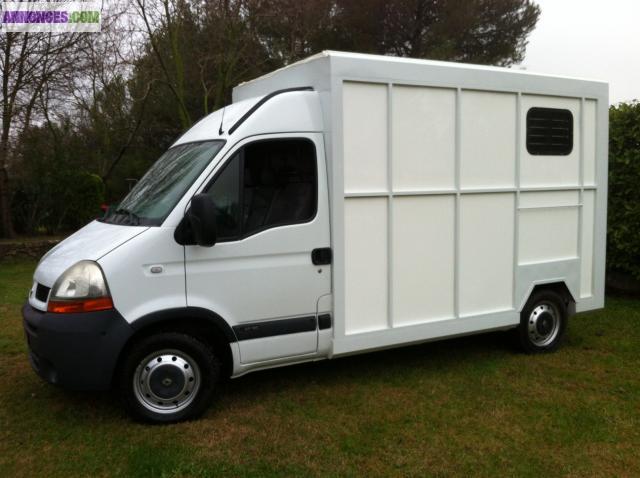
[81, 288]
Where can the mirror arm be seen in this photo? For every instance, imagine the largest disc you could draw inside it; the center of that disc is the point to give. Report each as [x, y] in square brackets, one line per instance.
[201, 216]
[183, 234]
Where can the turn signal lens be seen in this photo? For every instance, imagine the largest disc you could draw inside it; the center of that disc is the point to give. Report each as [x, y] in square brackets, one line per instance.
[82, 305]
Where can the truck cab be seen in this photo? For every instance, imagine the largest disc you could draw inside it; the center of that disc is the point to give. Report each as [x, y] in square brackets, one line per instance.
[257, 169]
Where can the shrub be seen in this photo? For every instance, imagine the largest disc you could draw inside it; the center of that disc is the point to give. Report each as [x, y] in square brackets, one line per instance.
[54, 192]
[623, 244]
[57, 202]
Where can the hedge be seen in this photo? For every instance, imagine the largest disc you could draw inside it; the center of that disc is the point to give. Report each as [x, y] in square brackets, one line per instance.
[623, 243]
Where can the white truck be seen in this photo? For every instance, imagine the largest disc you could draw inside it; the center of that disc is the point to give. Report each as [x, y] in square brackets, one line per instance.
[346, 203]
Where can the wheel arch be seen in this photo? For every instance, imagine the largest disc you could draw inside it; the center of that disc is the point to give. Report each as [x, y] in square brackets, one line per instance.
[560, 288]
[201, 323]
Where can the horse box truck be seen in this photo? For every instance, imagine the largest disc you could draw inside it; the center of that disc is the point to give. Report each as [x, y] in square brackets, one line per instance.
[343, 204]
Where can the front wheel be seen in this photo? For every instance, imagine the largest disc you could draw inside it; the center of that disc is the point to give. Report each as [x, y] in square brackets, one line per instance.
[543, 322]
[168, 377]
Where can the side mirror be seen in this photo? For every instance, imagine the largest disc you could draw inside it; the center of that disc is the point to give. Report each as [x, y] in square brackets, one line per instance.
[202, 219]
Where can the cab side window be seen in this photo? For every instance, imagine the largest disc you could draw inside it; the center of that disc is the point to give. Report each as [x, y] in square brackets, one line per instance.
[266, 184]
[225, 192]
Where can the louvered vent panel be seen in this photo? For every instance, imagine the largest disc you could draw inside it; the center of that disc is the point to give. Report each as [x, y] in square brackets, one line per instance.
[549, 132]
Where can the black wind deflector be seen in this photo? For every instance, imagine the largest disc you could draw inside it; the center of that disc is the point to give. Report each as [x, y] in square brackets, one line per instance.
[263, 101]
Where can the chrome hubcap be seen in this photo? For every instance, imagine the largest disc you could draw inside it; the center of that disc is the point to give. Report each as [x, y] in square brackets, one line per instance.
[543, 324]
[166, 381]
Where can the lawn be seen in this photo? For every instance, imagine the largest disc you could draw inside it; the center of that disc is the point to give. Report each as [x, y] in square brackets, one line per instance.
[469, 406]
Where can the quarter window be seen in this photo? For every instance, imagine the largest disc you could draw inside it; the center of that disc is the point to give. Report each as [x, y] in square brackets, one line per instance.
[266, 184]
[549, 132]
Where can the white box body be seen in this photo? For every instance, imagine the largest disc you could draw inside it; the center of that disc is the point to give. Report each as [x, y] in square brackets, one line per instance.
[441, 221]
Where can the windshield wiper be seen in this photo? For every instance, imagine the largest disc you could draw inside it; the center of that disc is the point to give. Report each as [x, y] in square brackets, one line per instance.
[134, 219]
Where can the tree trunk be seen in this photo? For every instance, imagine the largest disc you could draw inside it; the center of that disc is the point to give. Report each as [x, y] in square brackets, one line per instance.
[6, 224]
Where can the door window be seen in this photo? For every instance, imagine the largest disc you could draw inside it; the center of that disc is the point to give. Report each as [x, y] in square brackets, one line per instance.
[226, 196]
[266, 184]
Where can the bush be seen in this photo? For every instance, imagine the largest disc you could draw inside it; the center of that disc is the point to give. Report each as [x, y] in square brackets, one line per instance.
[57, 202]
[54, 192]
[623, 244]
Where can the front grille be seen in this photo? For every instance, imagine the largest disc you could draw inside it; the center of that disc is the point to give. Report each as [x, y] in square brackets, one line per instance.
[42, 292]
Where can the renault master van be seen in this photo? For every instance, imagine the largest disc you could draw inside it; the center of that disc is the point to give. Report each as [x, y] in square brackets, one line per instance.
[344, 204]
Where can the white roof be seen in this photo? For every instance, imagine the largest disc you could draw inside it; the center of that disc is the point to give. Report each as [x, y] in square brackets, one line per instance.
[412, 61]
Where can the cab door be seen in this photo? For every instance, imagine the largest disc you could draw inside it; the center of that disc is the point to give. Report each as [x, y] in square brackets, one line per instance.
[272, 209]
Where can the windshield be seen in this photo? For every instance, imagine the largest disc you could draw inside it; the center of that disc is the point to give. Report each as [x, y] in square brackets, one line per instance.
[156, 194]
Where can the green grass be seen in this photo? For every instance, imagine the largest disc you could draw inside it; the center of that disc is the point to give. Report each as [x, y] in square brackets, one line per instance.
[469, 406]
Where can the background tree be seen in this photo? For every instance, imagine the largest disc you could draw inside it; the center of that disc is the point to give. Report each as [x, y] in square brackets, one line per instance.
[86, 106]
[32, 65]
[474, 31]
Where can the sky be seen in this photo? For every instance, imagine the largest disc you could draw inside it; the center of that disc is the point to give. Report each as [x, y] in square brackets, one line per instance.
[592, 39]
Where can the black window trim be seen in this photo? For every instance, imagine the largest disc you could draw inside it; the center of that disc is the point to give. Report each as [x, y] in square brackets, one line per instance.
[264, 99]
[545, 151]
[241, 150]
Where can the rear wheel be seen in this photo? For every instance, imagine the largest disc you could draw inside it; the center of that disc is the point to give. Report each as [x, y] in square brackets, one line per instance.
[168, 377]
[543, 322]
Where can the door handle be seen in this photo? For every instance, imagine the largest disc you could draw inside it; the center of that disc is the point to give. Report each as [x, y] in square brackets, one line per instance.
[321, 256]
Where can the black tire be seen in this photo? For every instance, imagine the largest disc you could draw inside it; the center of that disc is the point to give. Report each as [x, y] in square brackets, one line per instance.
[178, 367]
[543, 322]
